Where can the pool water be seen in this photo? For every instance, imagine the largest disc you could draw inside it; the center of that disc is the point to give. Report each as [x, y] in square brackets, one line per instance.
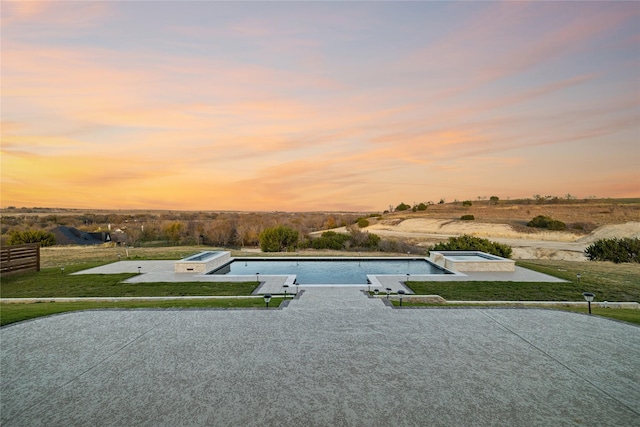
[343, 271]
[202, 256]
[469, 258]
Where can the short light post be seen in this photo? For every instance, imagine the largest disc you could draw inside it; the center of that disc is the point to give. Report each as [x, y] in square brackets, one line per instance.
[388, 292]
[578, 276]
[62, 270]
[376, 291]
[589, 297]
[401, 294]
[285, 290]
[408, 278]
[139, 270]
[267, 298]
[257, 277]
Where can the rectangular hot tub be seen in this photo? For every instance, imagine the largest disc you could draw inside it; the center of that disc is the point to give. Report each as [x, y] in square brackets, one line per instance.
[202, 262]
[471, 261]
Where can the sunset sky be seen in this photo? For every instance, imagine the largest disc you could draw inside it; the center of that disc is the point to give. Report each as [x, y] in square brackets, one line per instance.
[299, 106]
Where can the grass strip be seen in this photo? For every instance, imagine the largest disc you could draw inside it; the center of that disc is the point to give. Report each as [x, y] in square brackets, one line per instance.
[51, 283]
[11, 313]
[626, 314]
[523, 291]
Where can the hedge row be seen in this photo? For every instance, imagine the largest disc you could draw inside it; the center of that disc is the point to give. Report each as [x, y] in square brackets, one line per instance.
[616, 250]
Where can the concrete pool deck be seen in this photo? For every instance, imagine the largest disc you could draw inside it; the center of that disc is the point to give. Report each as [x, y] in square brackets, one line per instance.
[333, 357]
[163, 271]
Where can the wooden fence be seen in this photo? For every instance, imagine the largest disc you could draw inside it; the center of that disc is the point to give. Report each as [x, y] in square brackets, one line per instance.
[19, 258]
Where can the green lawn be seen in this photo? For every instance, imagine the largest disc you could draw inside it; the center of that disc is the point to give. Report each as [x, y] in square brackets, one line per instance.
[626, 314]
[522, 291]
[10, 313]
[51, 282]
[610, 282]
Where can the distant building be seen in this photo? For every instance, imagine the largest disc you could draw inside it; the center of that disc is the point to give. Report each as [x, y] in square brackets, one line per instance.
[73, 236]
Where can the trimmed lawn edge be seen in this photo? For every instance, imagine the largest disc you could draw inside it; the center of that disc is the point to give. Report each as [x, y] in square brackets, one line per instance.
[12, 313]
[626, 315]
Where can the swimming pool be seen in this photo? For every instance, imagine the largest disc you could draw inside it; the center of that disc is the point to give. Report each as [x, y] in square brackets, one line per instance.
[329, 271]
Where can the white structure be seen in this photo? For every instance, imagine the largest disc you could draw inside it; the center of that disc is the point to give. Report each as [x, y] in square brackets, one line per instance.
[202, 262]
[471, 261]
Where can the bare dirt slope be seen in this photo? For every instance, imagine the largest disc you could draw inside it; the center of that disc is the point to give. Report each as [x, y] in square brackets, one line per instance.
[541, 245]
[586, 222]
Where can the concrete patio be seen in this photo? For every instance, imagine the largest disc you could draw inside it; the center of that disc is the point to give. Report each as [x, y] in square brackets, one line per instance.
[333, 357]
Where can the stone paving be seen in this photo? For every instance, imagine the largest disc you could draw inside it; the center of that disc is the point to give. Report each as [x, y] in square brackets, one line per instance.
[332, 357]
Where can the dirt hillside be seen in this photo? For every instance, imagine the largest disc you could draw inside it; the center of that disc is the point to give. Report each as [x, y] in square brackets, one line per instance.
[586, 222]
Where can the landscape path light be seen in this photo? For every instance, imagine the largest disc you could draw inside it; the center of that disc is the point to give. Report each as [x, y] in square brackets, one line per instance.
[62, 270]
[578, 276]
[285, 290]
[401, 294]
[376, 291]
[388, 292]
[139, 270]
[267, 298]
[589, 297]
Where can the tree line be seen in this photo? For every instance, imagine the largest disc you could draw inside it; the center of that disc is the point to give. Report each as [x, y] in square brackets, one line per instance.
[175, 228]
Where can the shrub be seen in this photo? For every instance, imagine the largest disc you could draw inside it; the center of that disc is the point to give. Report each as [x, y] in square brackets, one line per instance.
[362, 239]
[31, 236]
[422, 207]
[467, 203]
[278, 239]
[362, 223]
[542, 221]
[471, 243]
[616, 250]
[402, 207]
[556, 225]
[330, 240]
[467, 217]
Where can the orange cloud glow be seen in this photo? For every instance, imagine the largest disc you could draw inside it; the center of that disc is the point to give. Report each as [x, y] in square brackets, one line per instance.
[315, 106]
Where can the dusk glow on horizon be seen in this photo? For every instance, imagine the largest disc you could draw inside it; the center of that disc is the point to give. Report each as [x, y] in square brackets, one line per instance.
[297, 106]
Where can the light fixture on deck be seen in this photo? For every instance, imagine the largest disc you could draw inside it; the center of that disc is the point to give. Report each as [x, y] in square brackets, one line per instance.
[589, 297]
[401, 294]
